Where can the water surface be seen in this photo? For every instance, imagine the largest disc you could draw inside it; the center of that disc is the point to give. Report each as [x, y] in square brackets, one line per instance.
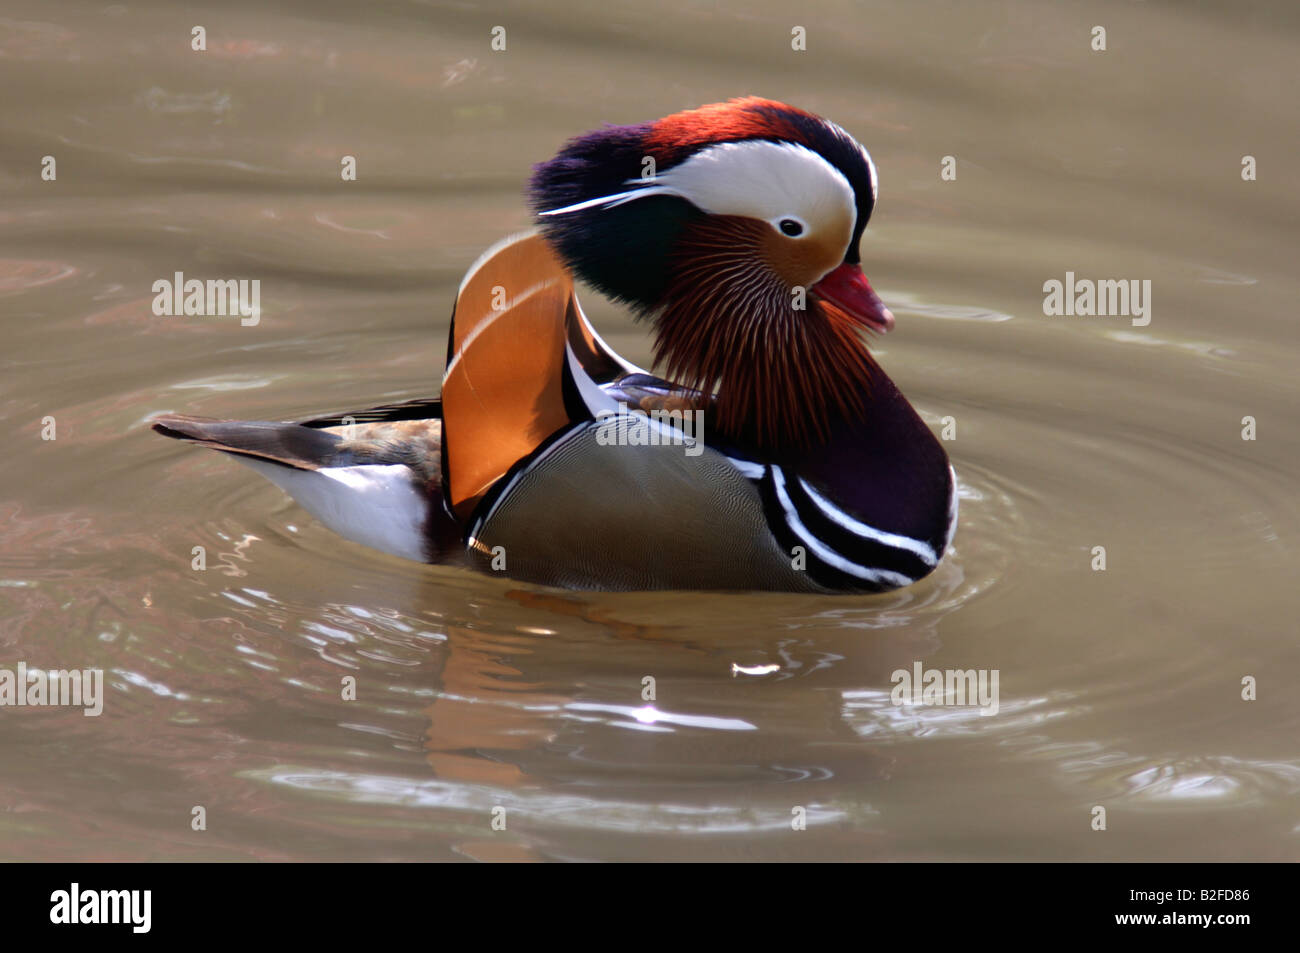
[1118, 688]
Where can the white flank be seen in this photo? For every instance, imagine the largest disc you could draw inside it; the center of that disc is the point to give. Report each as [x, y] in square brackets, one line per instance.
[377, 505]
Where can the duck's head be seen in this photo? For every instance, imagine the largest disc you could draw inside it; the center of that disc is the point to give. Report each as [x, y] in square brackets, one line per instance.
[735, 228]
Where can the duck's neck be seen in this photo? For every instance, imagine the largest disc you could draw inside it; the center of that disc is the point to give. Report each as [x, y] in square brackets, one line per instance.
[784, 367]
[887, 468]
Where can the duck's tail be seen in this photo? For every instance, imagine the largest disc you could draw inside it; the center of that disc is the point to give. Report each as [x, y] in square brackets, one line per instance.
[378, 483]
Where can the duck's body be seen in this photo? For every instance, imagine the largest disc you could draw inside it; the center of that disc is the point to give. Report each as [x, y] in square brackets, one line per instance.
[548, 458]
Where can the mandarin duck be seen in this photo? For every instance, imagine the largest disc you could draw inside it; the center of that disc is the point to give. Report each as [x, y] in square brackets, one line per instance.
[773, 453]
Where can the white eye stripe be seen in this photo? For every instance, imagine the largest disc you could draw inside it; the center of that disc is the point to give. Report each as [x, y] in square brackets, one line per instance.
[617, 198]
[755, 178]
[764, 180]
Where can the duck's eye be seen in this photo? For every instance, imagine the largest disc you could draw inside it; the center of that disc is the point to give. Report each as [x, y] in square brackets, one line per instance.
[790, 227]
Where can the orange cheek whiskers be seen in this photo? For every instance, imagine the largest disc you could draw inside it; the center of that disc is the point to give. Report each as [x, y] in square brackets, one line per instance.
[730, 323]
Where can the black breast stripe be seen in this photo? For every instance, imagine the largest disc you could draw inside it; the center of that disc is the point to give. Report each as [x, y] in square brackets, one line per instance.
[789, 517]
[861, 549]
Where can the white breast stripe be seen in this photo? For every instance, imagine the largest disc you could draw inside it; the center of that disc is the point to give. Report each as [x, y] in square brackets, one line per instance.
[824, 552]
[922, 550]
[952, 507]
[592, 395]
[600, 342]
[752, 471]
